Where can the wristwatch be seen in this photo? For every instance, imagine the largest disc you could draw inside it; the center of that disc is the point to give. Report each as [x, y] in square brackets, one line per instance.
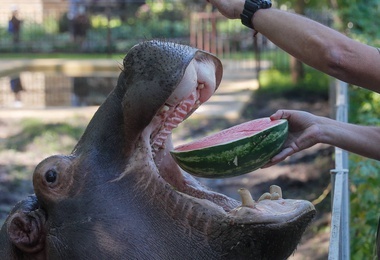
[250, 8]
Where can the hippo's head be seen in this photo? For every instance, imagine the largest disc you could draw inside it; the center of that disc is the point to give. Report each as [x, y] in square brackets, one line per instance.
[120, 195]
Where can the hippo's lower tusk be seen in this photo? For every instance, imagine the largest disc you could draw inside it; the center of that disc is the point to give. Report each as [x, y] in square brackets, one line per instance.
[246, 198]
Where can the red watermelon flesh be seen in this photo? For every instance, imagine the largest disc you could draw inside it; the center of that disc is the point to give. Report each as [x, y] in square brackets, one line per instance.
[230, 134]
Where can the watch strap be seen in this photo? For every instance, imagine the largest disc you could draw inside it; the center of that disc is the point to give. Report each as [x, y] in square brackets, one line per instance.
[250, 8]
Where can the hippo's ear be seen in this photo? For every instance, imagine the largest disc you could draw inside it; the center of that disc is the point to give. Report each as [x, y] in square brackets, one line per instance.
[26, 231]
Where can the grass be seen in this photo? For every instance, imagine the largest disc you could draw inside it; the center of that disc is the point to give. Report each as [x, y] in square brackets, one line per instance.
[46, 137]
[31, 141]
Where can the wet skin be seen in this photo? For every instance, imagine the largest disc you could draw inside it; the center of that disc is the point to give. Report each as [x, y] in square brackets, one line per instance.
[120, 195]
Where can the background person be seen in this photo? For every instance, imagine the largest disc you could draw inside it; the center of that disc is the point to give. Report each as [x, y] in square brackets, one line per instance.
[14, 26]
[16, 88]
[81, 24]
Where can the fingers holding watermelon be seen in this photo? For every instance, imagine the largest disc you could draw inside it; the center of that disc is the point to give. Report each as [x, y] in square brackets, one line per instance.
[304, 132]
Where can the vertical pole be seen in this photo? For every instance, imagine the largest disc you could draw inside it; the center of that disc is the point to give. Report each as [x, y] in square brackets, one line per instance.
[193, 30]
[340, 231]
[257, 51]
[200, 32]
[213, 33]
[109, 38]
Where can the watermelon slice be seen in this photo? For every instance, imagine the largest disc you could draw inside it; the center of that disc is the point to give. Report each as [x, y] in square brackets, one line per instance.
[234, 151]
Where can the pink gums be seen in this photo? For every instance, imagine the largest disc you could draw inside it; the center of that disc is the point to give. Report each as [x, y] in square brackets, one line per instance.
[172, 121]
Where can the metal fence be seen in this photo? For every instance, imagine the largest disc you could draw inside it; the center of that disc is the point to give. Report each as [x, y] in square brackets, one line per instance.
[115, 26]
[340, 229]
[112, 27]
[61, 28]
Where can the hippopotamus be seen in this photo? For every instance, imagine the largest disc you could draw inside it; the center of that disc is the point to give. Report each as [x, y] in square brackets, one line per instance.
[120, 195]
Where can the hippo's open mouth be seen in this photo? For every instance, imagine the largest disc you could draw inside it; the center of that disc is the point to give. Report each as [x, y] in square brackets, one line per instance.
[197, 86]
[120, 194]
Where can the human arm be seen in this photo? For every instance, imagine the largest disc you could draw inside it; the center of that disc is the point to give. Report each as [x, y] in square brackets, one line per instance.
[306, 130]
[314, 44]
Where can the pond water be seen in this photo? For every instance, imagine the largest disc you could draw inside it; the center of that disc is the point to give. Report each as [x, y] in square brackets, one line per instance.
[42, 89]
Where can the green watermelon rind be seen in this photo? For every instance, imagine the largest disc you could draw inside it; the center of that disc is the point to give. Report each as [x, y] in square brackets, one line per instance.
[234, 158]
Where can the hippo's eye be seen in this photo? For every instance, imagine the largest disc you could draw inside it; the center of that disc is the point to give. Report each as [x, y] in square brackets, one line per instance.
[51, 176]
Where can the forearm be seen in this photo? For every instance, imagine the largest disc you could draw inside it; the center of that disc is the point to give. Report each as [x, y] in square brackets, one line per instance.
[301, 37]
[321, 47]
[314, 44]
[362, 140]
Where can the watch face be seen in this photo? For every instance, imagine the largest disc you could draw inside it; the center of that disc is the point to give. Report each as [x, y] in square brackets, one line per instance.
[265, 4]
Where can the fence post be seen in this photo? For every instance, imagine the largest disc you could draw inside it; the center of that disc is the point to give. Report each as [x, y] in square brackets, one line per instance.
[340, 230]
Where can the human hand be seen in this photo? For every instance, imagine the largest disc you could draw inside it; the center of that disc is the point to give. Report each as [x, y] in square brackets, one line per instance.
[304, 132]
[229, 8]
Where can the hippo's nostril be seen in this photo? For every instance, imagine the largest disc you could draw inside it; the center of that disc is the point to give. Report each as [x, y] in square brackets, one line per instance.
[51, 176]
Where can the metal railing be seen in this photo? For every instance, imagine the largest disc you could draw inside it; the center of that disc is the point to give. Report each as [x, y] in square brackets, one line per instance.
[340, 231]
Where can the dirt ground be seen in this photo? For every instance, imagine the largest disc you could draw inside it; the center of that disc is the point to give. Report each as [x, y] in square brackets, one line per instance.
[303, 176]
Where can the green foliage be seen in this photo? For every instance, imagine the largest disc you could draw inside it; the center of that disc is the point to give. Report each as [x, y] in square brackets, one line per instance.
[280, 83]
[31, 31]
[365, 196]
[165, 10]
[157, 20]
[99, 21]
[154, 20]
[365, 178]
[150, 29]
[280, 59]
[34, 30]
[362, 18]
[364, 106]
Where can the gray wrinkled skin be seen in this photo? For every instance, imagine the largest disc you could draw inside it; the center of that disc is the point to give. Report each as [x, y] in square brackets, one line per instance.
[113, 198]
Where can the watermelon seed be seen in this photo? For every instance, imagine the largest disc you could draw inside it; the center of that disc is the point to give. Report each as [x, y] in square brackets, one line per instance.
[236, 161]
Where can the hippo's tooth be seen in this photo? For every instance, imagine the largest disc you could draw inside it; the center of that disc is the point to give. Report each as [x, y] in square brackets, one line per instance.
[170, 125]
[156, 144]
[265, 196]
[275, 189]
[159, 140]
[187, 105]
[176, 120]
[201, 86]
[164, 109]
[246, 198]
[275, 196]
[165, 132]
[181, 111]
